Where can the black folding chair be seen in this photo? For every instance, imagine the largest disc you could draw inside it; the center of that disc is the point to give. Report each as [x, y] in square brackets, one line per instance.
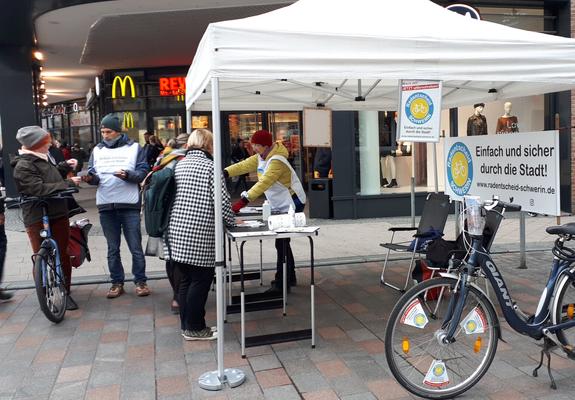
[434, 217]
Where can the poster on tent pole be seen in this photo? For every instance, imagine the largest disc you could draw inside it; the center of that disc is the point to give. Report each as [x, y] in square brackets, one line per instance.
[522, 166]
[419, 111]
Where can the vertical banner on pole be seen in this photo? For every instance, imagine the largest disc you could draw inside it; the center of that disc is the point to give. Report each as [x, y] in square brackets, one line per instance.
[419, 119]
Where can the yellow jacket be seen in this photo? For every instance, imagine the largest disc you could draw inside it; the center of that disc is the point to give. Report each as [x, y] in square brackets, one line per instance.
[276, 172]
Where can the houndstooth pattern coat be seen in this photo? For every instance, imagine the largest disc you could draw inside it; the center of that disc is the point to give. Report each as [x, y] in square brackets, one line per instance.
[191, 231]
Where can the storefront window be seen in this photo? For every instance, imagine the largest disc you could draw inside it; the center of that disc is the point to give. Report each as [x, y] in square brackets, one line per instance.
[81, 130]
[285, 127]
[244, 125]
[530, 19]
[395, 158]
[201, 122]
[166, 128]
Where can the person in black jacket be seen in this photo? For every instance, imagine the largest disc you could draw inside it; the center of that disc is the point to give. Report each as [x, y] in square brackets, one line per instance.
[36, 174]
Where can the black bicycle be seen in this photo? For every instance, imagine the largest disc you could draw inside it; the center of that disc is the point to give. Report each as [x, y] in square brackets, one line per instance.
[49, 278]
[442, 334]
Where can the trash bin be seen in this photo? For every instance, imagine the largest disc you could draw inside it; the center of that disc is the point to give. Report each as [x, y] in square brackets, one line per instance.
[319, 198]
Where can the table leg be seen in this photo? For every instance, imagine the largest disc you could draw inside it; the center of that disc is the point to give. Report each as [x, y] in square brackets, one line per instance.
[242, 302]
[312, 292]
[261, 266]
[284, 272]
[230, 274]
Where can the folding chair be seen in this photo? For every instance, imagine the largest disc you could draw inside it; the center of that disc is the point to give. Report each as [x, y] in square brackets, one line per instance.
[434, 217]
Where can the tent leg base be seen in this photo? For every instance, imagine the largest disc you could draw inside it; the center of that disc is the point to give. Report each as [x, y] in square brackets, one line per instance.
[211, 381]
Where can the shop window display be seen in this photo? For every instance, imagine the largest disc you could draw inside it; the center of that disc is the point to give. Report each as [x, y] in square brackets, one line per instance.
[394, 159]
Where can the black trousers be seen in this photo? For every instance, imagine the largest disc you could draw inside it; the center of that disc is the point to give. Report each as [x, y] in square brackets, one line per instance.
[3, 246]
[194, 286]
[280, 260]
[173, 278]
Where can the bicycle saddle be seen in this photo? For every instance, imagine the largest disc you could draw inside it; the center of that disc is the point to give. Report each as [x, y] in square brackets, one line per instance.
[566, 229]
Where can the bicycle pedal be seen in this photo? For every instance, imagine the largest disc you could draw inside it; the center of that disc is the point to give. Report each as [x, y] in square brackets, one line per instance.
[570, 351]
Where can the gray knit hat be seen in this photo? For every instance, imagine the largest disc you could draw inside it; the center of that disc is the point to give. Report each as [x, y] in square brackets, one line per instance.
[31, 136]
[112, 122]
[182, 139]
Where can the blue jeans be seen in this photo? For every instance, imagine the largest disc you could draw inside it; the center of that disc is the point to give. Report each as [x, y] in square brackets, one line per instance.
[113, 223]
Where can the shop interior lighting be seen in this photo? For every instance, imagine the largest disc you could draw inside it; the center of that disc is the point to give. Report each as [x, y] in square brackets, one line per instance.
[44, 96]
[38, 55]
[45, 103]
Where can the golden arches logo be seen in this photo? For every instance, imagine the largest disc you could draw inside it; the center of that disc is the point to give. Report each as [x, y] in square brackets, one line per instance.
[128, 121]
[123, 82]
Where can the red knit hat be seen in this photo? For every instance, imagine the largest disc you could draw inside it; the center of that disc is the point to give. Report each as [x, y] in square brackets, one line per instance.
[263, 138]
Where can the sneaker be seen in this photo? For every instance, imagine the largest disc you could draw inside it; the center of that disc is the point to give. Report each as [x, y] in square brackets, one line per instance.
[212, 328]
[5, 296]
[71, 304]
[116, 290]
[142, 289]
[204, 334]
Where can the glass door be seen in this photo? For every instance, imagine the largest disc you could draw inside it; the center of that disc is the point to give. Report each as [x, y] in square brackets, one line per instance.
[285, 126]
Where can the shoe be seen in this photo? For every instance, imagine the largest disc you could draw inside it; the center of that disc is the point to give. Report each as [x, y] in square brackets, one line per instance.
[392, 184]
[204, 334]
[384, 182]
[5, 296]
[275, 289]
[212, 328]
[116, 290]
[71, 304]
[142, 289]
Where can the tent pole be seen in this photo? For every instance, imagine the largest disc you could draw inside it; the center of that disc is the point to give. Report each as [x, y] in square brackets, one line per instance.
[188, 121]
[435, 167]
[413, 185]
[214, 380]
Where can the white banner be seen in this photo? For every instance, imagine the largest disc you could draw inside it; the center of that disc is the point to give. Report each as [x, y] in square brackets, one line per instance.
[524, 166]
[419, 111]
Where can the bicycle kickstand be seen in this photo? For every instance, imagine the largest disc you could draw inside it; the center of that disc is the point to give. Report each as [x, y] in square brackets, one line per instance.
[546, 351]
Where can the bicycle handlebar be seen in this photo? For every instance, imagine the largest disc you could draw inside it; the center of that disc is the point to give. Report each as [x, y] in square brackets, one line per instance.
[490, 204]
[12, 202]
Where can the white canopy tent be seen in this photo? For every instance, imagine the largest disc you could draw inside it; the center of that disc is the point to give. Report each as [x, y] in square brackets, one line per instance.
[314, 51]
[349, 56]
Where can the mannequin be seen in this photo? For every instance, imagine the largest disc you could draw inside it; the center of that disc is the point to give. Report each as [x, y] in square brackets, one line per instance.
[507, 123]
[388, 167]
[477, 124]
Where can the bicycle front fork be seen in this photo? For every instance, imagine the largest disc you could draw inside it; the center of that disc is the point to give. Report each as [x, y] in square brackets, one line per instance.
[455, 309]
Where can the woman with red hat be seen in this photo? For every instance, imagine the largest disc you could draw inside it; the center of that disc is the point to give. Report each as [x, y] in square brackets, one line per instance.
[281, 186]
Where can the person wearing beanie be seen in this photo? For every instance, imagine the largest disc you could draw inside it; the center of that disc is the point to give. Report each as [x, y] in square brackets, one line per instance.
[278, 181]
[117, 166]
[37, 174]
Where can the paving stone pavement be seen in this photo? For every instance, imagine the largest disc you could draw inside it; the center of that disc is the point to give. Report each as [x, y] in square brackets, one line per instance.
[130, 347]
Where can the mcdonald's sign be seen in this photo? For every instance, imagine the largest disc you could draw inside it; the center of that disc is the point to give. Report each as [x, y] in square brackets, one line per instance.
[128, 121]
[123, 83]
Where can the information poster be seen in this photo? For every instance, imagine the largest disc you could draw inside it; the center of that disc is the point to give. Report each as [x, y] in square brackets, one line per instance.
[522, 166]
[419, 111]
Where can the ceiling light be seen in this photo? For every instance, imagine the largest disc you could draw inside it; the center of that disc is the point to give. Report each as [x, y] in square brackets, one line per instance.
[42, 86]
[44, 96]
[45, 103]
[38, 55]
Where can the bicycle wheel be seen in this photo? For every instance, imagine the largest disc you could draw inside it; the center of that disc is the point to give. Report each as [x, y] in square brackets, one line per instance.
[50, 288]
[565, 310]
[419, 360]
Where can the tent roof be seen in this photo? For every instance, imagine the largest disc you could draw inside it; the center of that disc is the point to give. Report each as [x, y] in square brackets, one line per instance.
[332, 51]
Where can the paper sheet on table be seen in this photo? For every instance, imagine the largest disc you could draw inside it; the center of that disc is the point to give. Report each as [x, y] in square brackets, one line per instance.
[250, 210]
[258, 233]
[250, 224]
[300, 229]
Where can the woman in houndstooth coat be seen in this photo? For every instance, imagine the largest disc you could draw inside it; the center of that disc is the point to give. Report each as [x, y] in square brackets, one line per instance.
[191, 233]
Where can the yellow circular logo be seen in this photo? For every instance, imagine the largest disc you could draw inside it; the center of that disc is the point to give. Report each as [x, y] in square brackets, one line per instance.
[438, 370]
[419, 320]
[471, 326]
[459, 169]
[419, 108]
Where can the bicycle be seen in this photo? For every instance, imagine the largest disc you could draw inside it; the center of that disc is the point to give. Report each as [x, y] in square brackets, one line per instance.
[49, 279]
[442, 334]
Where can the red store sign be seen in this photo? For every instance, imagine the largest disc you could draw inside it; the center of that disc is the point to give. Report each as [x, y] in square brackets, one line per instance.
[172, 86]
